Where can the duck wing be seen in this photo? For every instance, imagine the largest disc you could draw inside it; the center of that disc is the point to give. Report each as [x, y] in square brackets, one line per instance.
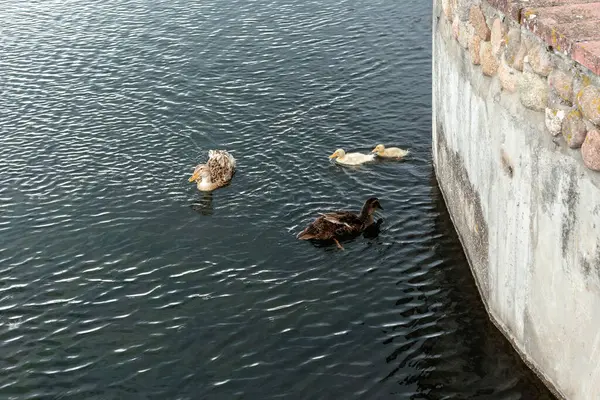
[222, 157]
[358, 158]
[398, 152]
[221, 165]
[345, 218]
[333, 224]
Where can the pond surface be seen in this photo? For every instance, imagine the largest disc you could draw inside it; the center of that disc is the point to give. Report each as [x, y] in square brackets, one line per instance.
[120, 280]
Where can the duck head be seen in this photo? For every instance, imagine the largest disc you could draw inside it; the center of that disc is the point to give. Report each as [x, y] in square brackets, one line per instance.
[379, 149]
[372, 204]
[369, 208]
[339, 153]
[200, 172]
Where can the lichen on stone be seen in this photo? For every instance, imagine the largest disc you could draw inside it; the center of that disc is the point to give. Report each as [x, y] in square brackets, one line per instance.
[533, 89]
[561, 83]
[588, 100]
[554, 119]
[520, 55]
[465, 32]
[574, 129]
[475, 48]
[489, 63]
[512, 42]
[530, 13]
[508, 76]
[590, 150]
[539, 59]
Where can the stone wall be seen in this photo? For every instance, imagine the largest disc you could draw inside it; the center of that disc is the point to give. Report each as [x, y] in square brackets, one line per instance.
[516, 155]
[547, 80]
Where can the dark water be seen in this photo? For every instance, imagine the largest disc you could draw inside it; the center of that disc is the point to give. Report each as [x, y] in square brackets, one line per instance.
[118, 279]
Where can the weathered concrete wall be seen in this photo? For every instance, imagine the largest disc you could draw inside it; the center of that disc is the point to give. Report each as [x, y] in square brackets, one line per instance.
[527, 210]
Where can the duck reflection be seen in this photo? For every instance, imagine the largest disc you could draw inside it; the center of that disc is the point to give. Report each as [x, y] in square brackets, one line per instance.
[372, 231]
[203, 204]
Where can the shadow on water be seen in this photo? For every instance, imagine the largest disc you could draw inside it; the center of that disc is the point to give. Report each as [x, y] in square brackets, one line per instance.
[456, 309]
[203, 204]
[373, 230]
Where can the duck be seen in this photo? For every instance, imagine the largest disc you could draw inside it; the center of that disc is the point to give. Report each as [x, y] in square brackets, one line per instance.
[216, 173]
[391, 152]
[341, 157]
[338, 225]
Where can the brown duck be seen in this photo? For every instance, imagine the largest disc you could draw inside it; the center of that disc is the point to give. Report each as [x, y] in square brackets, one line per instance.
[338, 225]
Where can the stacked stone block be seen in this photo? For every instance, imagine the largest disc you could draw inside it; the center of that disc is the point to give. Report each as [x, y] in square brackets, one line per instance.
[566, 92]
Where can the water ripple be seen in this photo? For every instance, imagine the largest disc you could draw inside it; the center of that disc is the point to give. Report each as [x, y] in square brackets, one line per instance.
[120, 278]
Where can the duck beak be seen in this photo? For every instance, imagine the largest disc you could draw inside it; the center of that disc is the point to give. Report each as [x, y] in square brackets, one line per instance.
[374, 151]
[334, 155]
[193, 177]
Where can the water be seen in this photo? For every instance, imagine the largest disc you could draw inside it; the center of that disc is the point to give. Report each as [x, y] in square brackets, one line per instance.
[120, 280]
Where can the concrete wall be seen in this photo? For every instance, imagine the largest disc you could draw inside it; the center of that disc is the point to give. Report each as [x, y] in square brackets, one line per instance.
[528, 214]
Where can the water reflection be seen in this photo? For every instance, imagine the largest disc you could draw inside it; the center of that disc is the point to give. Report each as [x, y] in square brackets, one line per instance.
[454, 326]
[373, 230]
[204, 203]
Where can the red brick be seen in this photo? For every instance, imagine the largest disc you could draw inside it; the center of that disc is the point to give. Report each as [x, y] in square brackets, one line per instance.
[569, 26]
[580, 31]
[564, 14]
[588, 55]
[514, 8]
[560, 27]
[552, 3]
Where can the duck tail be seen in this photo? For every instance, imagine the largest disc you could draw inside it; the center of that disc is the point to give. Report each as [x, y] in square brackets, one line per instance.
[306, 234]
[232, 161]
[223, 158]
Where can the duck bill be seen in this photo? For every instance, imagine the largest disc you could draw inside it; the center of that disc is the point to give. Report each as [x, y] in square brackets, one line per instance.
[334, 155]
[194, 177]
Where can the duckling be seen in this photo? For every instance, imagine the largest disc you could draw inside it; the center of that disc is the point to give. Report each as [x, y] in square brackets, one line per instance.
[391, 152]
[217, 172]
[341, 224]
[351, 158]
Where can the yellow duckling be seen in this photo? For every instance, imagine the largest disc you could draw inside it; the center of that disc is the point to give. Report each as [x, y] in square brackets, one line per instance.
[391, 152]
[216, 173]
[351, 158]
